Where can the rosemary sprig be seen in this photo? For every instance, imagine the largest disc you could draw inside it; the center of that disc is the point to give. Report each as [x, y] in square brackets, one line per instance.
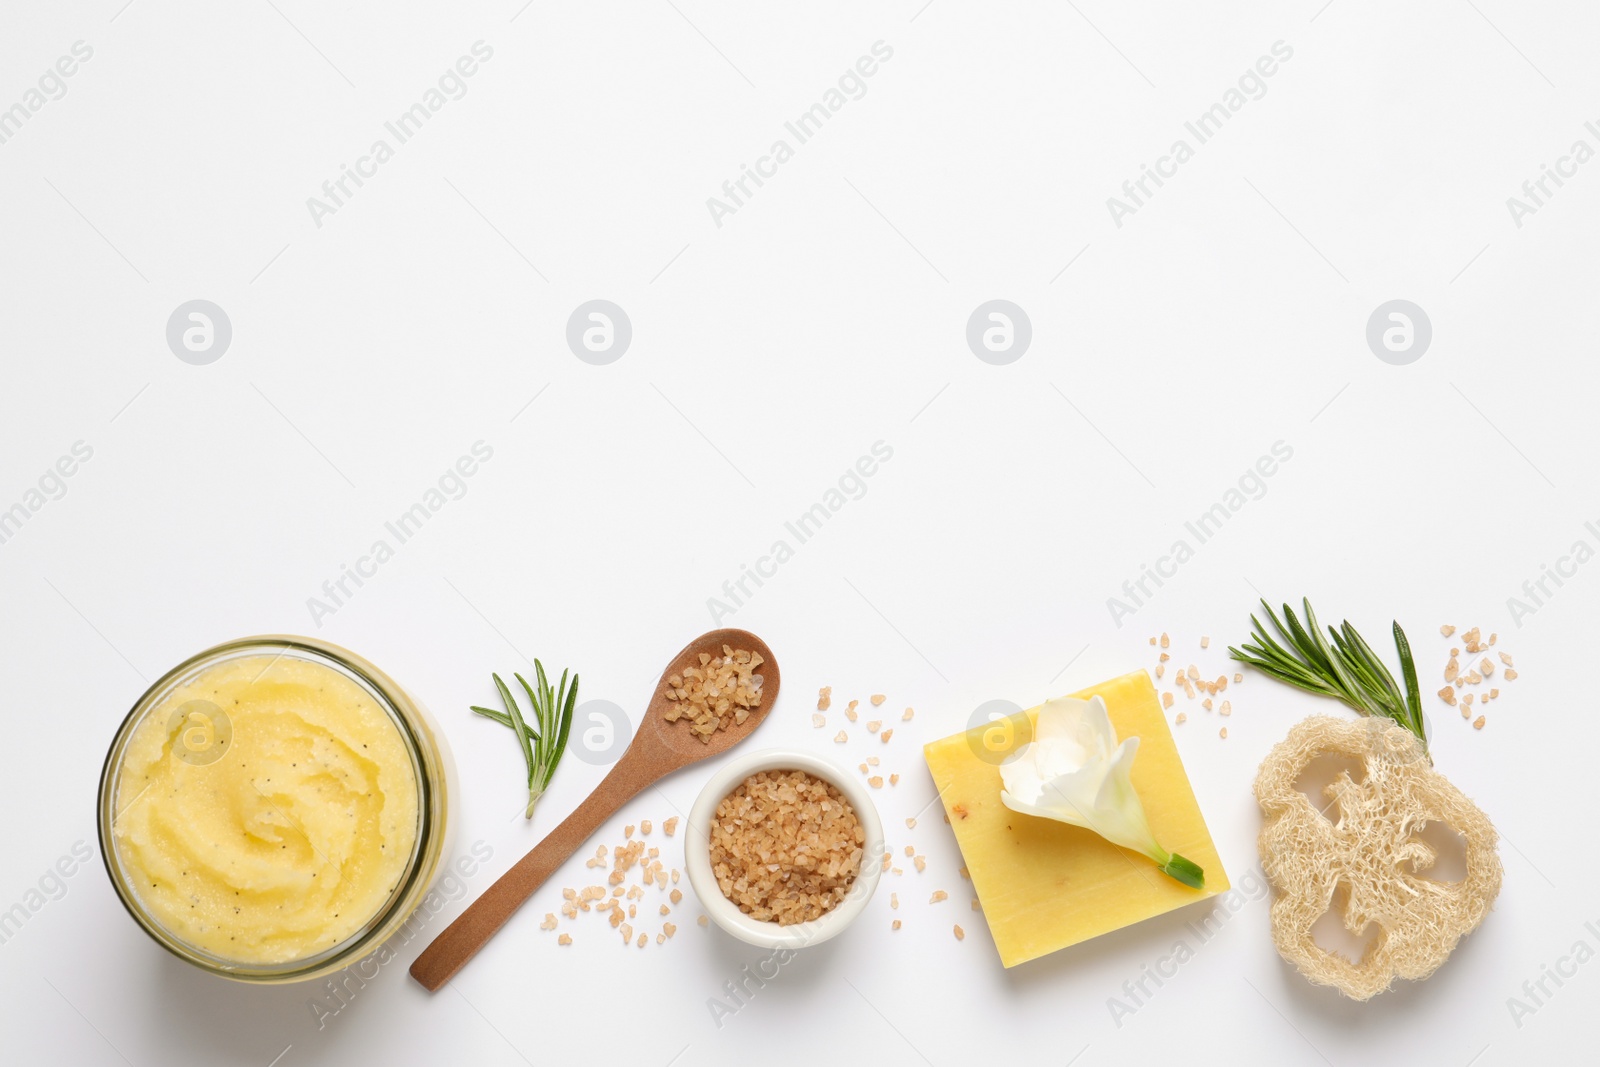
[544, 740]
[1346, 668]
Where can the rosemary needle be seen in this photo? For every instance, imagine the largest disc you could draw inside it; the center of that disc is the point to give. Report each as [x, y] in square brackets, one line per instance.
[544, 740]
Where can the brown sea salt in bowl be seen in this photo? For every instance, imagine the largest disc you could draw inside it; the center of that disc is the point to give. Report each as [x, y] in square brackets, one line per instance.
[783, 848]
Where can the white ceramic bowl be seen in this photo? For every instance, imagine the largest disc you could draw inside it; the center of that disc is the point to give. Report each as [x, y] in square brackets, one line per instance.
[725, 913]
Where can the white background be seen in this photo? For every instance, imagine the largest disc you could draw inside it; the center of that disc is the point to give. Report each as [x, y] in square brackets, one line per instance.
[768, 354]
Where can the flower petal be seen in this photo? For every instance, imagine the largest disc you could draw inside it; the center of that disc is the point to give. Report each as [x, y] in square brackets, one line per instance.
[1123, 811]
[1054, 814]
[1061, 742]
[1098, 719]
[1075, 772]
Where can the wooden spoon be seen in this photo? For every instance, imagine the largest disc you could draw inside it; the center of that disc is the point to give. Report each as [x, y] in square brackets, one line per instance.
[659, 748]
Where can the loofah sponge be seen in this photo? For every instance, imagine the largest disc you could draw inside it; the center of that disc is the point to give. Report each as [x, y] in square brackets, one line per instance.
[1368, 842]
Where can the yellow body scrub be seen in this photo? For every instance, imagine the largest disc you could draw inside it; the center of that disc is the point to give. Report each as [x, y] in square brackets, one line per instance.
[266, 809]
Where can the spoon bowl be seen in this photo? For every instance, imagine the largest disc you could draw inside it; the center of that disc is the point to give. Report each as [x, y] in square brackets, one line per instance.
[676, 737]
[658, 748]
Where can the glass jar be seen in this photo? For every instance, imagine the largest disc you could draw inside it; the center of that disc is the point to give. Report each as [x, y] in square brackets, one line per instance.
[219, 812]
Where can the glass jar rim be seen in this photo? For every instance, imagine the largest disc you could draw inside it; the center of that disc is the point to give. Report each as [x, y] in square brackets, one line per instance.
[417, 737]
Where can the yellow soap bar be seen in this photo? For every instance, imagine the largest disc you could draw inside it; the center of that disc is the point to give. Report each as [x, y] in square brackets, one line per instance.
[1045, 885]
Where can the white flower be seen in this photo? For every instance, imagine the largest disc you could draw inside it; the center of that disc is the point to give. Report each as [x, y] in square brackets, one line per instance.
[1074, 771]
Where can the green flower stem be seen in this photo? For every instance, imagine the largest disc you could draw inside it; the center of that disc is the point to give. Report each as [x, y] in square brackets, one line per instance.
[1183, 870]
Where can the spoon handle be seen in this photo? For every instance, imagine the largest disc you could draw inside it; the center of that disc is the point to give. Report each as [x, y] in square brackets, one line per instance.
[462, 939]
